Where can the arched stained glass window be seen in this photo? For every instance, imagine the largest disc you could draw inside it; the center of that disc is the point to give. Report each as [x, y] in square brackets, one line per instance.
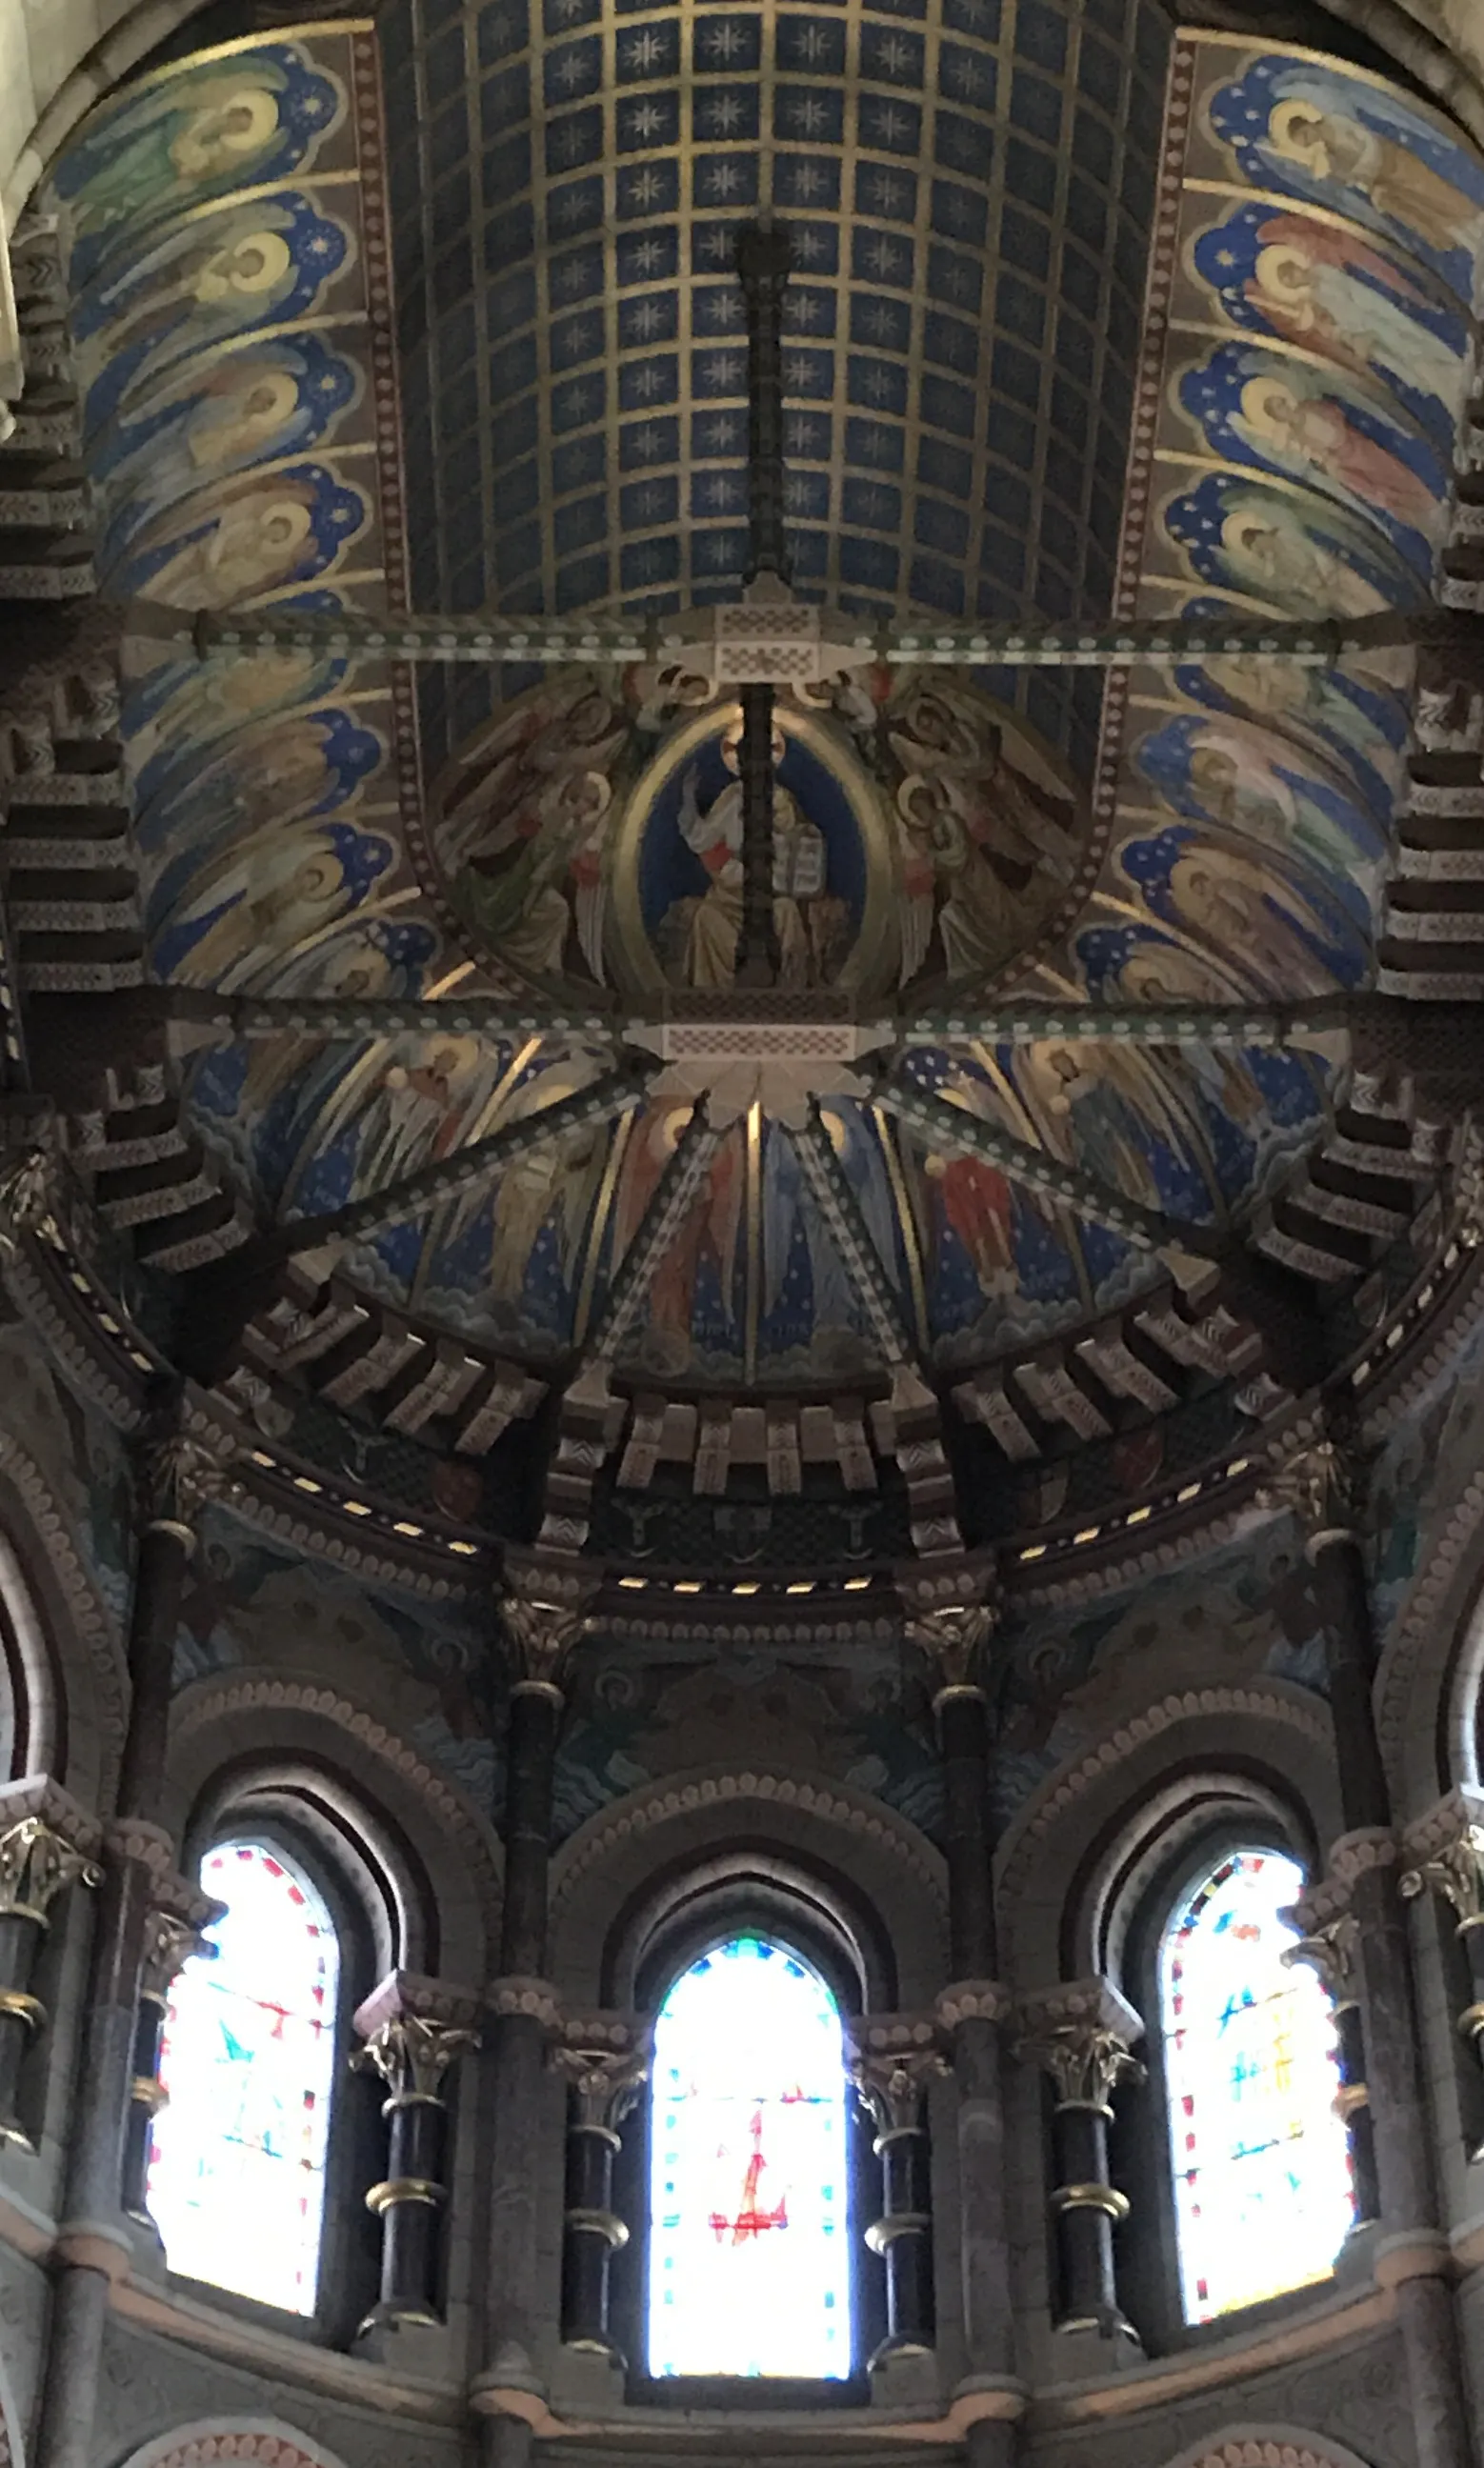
[749, 2259]
[237, 2174]
[1262, 2195]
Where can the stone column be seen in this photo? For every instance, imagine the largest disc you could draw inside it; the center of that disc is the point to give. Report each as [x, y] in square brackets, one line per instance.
[1446, 1849]
[543, 1622]
[1329, 1947]
[172, 1934]
[175, 1474]
[605, 2059]
[1322, 1483]
[414, 2030]
[955, 1637]
[891, 2059]
[46, 1843]
[1080, 2035]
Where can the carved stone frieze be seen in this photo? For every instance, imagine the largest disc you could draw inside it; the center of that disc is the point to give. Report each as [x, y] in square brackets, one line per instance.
[538, 1999]
[972, 2001]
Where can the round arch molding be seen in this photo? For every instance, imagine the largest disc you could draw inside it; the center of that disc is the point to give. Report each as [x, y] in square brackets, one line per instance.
[265, 2441]
[824, 1826]
[1266, 2446]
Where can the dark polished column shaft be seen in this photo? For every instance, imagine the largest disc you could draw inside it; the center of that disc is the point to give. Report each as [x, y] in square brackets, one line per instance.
[95, 2190]
[1322, 1485]
[412, 2053]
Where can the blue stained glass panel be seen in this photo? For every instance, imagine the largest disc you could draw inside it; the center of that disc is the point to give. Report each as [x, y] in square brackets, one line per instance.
[1262, 2193]
[237, 2172]
[749, 2254]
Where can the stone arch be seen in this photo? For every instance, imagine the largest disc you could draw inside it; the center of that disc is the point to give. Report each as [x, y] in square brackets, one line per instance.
[1431, 1669]
[66, 1643]
[1266, 2446]
[821, 1826]
[269, 1731]
[1060, 1857]
[266, 2441]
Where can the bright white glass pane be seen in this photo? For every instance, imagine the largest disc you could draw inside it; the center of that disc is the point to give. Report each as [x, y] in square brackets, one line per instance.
[1263, 2192]
[237, 2174]
[749, 2255]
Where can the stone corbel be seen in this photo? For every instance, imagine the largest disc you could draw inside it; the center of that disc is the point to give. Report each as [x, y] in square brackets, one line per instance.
[47, 1843]
[535, 2000]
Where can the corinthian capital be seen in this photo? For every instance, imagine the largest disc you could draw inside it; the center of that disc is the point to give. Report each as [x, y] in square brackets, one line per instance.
[1454, 1870]
[1080, 2034]
[412, 2054]
[606, 2059]
[28, 1195]
[540, 1634]
[171, 1939]
[35, 1863]
[178, 1474]
[953, 1637]
[891, 2059]
[1330, 1949]
[1319, 1482]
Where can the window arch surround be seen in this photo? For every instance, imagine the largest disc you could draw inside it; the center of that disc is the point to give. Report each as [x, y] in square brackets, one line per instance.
[684, 1916]
[1158, 1890]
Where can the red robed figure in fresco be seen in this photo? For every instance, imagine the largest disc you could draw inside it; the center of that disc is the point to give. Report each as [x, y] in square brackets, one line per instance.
[751, 2219]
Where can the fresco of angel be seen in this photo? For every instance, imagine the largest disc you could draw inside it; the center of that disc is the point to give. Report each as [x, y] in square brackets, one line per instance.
[976, 833]
[1227, 772]
[1315, 131]
[263, 531]
[1305, 561]
[1278, 923]
[241, 917]
[1320, 286]
[220, 125]
[1253, 407]
[522, 826]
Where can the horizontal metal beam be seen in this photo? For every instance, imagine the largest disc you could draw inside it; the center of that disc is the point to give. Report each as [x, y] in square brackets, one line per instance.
[602, 640]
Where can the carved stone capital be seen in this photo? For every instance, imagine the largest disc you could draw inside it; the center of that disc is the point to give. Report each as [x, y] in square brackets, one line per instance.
[28, 1193]
[953, 1637]
[411, 1992]
[1331, 1950]
[412, 2055]
[1320, 1483]
[606, 2059]
[891, 2059]
[171, 1939]
[540, 1634]
[1080, 2034]
[36, 1863]
[1443, 1855]
[178, 1474]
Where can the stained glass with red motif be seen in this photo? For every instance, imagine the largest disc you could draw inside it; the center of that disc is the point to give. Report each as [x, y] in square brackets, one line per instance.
[749, 2262]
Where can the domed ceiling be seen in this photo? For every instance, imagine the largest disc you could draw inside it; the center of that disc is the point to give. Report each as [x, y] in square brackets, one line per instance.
[975, 232]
